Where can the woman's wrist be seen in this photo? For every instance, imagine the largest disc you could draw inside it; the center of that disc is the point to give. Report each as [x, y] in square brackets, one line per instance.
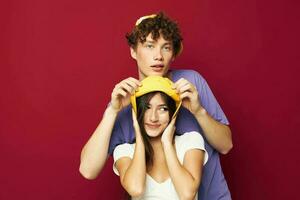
[167, 144]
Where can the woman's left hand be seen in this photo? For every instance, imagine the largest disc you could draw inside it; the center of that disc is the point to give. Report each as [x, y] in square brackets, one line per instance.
[168, 134]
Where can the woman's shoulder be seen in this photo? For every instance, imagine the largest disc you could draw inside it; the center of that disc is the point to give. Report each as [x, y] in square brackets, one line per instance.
[188, 137]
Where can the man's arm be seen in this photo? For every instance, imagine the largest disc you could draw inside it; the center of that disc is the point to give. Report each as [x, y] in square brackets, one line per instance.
[216, 133]
[94, 153]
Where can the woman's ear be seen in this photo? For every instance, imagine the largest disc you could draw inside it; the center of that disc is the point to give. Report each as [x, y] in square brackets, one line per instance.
[133, 53]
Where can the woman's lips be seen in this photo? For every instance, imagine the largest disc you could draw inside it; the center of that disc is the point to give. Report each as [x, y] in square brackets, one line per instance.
[153, 126]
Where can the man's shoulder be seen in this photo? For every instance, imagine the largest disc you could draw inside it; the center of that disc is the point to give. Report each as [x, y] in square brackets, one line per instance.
[188, 74]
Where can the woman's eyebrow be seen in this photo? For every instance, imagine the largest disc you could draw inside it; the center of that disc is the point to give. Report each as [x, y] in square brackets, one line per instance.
[163, 104]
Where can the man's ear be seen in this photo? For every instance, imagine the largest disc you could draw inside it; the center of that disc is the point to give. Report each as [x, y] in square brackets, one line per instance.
[173, 58]
[133, 53]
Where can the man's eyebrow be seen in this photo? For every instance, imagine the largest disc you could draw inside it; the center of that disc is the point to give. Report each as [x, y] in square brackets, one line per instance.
[154, 41]
[150, 41]
[168, 43]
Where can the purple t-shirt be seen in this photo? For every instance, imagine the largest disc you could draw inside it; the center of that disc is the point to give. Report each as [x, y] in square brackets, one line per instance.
[213, 184]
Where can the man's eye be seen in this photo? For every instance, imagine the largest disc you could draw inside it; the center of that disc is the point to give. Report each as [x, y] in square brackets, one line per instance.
[167, 48]
[150, 46]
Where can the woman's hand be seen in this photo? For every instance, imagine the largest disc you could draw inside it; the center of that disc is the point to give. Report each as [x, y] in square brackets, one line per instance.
[136, 125]
[120, 96]
[168, 134]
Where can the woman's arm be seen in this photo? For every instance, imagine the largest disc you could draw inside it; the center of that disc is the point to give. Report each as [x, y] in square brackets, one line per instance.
[133, 171]
[94, 153]
[186, 178]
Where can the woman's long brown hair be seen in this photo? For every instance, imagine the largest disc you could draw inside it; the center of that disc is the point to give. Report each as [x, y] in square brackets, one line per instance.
[142, 106]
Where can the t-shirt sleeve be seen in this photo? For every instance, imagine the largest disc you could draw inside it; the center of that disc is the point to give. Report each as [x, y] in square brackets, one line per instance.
[123, 131]
[123, 150]
[208, 100]
[116, 137]
[192, 140]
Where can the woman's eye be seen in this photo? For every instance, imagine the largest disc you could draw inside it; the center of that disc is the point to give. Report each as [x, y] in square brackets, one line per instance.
[165, 108]
[147, 107]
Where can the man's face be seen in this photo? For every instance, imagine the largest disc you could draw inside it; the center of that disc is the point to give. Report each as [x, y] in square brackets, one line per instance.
[153, 57]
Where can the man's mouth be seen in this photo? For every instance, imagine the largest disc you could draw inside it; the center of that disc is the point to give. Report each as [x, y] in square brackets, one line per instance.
[157, 68]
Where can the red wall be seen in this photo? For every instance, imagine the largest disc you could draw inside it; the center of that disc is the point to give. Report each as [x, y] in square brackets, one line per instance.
[60, 60]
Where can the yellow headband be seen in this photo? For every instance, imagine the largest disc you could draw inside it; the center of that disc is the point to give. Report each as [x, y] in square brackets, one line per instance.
[156, 84]
[144, 17]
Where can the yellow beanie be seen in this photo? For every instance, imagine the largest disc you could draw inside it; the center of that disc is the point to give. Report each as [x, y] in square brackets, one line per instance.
[156, 84]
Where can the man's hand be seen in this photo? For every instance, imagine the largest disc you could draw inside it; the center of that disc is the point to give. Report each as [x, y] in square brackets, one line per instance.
[188, 94]
[120, 96]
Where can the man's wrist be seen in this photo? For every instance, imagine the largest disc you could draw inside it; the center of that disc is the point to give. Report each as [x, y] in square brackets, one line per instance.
[111, 111]
[201, 112]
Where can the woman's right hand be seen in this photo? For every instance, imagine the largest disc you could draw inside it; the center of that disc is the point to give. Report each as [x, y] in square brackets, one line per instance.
[120, 96]
[136, 125]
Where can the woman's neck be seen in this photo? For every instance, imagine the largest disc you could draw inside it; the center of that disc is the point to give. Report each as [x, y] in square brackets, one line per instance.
[158, 170]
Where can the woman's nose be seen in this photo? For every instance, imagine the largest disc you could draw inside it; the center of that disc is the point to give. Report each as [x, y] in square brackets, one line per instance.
[153, 116]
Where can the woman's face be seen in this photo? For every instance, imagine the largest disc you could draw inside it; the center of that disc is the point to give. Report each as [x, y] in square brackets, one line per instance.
[156, 117]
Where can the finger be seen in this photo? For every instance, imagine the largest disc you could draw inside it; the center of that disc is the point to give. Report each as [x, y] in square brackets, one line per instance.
[186, 94]
[134, 81]
[135, 122]
[119, 92]
[180, 84]
[133, 115]
[173, 121]
[174, 85]
[180, 81]
[126, 86]
[185, 88]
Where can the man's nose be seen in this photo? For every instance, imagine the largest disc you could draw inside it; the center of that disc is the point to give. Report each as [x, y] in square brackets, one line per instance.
[158, 55]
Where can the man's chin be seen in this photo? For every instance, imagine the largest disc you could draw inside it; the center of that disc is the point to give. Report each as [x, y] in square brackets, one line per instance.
[156, 73]
[153, 73]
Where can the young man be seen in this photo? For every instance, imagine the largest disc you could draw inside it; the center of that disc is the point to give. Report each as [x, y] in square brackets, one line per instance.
[154, 43]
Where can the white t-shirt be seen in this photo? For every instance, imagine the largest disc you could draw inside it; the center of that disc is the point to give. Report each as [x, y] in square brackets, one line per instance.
[166, 189]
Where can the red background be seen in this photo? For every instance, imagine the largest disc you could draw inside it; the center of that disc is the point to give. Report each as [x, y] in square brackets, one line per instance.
[60, 60]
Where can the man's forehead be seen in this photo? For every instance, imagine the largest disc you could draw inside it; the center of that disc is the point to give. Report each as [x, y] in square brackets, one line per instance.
[160, 39]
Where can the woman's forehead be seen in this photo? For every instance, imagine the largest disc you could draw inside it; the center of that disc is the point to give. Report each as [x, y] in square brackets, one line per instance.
[157, 99]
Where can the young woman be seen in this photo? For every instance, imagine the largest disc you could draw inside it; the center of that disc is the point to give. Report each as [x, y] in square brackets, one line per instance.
[159, 165]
